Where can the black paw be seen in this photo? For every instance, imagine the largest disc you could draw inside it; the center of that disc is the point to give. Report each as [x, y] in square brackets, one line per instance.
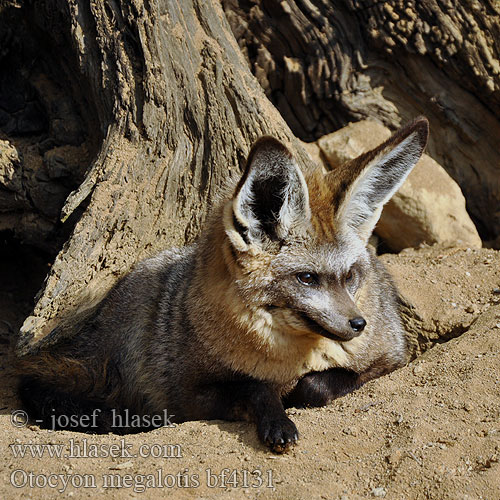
[320, 388]
[279, 433]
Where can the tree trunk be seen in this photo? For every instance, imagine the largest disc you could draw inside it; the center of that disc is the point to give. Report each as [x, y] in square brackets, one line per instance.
[175, 109]
[130, 116]
[325, 63]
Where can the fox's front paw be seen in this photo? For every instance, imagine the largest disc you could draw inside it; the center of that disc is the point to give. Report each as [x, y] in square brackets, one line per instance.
[279, 433]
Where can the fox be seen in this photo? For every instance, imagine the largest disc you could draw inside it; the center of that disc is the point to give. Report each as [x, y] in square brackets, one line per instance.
[280, 302]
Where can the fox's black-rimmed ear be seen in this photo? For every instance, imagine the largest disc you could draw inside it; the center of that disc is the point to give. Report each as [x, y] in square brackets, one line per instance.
[370, 180]
[271, 197]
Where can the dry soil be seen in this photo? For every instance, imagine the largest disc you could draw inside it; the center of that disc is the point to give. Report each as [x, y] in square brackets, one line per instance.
[428, 430]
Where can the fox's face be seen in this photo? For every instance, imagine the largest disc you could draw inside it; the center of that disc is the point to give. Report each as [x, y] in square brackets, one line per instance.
[315, 289]
[299, 245]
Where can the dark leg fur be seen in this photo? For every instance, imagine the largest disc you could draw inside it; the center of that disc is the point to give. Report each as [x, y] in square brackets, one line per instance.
[238, 400]
[319, 388]
[249, 400]
[50, 408]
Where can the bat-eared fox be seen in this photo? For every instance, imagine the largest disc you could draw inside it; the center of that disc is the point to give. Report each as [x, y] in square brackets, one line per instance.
[280, 302]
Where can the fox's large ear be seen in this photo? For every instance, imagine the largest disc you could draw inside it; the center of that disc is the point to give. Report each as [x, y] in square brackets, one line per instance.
[271, 197]
[370, 180]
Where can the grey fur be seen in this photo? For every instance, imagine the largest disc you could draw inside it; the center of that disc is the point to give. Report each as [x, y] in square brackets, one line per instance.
[224, 328]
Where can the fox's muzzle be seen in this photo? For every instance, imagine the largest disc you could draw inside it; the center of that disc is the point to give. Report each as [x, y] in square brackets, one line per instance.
[353, 328]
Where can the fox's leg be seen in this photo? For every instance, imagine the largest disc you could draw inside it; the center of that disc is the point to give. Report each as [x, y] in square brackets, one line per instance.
[247, 399]
[319, 388]
[55, 409]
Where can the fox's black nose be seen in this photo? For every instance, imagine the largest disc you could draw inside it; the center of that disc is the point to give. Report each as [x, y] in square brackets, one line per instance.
[357, 324]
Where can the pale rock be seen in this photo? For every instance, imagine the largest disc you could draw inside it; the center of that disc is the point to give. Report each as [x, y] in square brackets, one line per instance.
[314, 152]
[428, 208]
[10, 173]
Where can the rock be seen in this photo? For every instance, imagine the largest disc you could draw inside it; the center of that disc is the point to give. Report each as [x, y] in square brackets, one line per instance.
[428, 208]
[32, 120]
[67, 163]
[4, 118]
[13, 199]
[12, 92]
[10, 168]
[379, 492]
[351, 141]
[56, 166]
[314, 152]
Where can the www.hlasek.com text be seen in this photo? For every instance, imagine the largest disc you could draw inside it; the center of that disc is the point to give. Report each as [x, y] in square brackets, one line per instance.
[85, 448]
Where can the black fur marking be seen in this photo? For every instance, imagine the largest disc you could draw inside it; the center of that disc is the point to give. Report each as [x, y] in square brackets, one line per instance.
[57, 410]
[319, 388]
[249, 399]
[268, 202]
[44, 404]
[242, 230]
[273, 182]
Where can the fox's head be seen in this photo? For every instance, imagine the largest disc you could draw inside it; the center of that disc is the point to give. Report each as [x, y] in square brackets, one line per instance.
[298, 246]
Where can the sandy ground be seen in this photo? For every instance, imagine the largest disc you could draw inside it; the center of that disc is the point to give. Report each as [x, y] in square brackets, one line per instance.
[428, 430]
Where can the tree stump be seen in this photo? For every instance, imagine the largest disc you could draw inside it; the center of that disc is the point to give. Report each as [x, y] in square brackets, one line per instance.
[326, 63]
[121, 121]
[175, 108]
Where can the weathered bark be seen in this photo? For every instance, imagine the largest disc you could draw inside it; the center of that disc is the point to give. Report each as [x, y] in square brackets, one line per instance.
[177, 109]
[48, 130]
[160, 106]
[326, 63]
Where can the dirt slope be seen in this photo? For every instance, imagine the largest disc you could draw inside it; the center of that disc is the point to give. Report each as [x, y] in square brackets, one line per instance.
[429, 430]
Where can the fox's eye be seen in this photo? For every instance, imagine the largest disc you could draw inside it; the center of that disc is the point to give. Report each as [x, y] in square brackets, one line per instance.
[349, 275]
[308, 278]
